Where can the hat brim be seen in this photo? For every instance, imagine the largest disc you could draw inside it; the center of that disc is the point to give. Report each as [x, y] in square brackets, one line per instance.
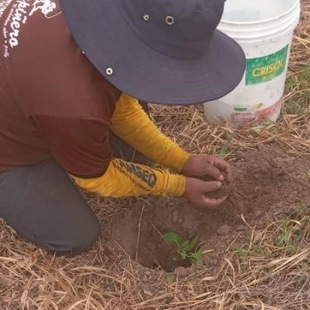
[144, 73]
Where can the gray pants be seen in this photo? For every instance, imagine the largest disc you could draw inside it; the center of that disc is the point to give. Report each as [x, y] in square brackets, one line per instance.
[43, 205]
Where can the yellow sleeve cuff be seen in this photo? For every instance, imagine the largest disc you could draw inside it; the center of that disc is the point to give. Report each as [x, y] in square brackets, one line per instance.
[125, 179]
[133, 125]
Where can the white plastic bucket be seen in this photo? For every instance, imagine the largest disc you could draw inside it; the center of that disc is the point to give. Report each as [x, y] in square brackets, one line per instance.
[264, 29]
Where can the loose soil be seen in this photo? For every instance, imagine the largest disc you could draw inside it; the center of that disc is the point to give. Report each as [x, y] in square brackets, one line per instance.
[267, 182]
[224, 191]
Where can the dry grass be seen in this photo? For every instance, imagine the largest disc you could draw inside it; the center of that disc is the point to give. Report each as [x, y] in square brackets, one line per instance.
[271, 271]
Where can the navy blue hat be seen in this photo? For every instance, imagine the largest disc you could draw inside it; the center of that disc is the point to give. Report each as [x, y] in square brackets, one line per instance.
[162, 51]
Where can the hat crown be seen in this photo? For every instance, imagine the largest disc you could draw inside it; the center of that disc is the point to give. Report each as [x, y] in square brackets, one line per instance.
[178, 28]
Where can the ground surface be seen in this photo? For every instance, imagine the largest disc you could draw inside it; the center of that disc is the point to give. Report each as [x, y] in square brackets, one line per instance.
[267, 182]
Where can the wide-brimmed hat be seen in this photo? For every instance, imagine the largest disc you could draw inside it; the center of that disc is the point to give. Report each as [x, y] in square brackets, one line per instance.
[161, 51]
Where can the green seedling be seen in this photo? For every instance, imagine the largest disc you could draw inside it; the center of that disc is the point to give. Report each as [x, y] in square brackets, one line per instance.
[169, 277]
[187, 249]
[224, 150]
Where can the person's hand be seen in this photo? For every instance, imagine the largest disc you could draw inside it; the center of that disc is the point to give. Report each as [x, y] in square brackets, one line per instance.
[208, 166]
[196, 191]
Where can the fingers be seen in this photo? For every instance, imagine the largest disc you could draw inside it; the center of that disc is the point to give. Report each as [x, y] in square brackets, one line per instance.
[211, 186]
[224, 166]
[208, 188]
[210, 203]
[197, 191]
[214, 172]
[213, 203]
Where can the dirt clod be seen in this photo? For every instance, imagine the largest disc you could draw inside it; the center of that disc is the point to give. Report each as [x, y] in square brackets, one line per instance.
[182, 272]
[224, 229]
[175, 216]
[257, 213]
[240, 228]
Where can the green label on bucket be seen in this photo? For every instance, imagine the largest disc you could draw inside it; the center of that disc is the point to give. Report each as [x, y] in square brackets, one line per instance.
[264, 69]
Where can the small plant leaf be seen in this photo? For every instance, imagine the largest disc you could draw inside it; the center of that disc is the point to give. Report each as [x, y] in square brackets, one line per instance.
[186, 248]
[170, 277]
[183, 254]
[173, 237]
[197, 255]
[223, 151]
[185, 244]
[193, 244]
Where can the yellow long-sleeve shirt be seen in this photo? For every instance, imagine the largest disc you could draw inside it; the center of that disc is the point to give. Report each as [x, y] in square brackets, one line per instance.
[123, 178]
